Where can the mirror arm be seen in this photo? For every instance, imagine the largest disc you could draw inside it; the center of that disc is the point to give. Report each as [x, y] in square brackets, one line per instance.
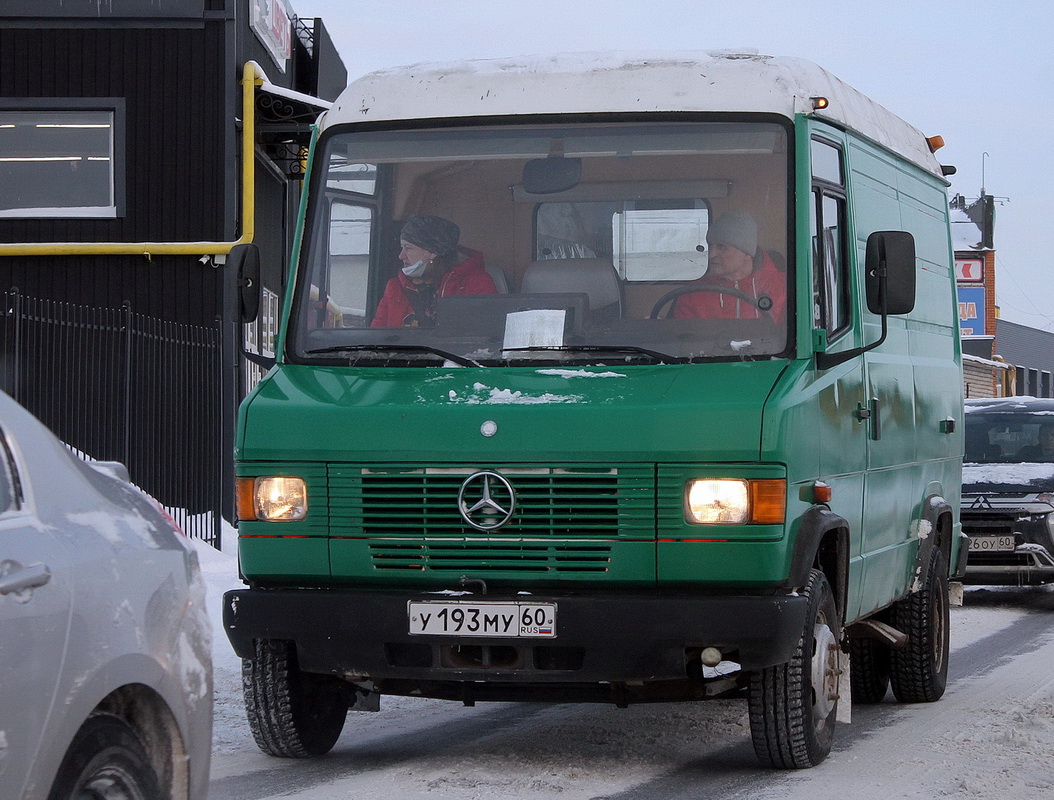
[261, 361]
[828, 360]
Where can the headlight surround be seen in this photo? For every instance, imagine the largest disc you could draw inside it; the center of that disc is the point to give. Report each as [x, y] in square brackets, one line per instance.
[735, 501]
[272, 498]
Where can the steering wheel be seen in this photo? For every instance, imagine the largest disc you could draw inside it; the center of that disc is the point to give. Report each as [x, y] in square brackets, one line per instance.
[758, 303]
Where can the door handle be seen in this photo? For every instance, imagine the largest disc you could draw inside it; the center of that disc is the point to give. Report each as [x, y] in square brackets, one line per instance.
[23, 579]
[872, 414]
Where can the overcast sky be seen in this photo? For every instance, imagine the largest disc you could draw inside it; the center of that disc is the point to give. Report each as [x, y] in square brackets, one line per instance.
[980, 74]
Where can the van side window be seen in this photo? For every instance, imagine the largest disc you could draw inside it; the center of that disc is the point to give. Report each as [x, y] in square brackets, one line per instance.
[831, 289]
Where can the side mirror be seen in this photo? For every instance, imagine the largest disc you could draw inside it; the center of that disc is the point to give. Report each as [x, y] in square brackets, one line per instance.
[889, 278]
[889, 270]
[551, 175]
[244, 264]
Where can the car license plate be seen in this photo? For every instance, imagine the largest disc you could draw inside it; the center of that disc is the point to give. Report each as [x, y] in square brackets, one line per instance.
[463, 618]
[992, 544]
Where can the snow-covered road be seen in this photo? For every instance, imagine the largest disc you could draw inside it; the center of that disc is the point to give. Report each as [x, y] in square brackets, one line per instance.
[991, 736]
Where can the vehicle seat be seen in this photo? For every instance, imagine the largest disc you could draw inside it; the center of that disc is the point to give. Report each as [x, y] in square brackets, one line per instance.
[594, 277]
[497, 274]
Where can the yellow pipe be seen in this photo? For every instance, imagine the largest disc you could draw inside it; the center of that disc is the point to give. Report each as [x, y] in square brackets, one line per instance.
[252, 76]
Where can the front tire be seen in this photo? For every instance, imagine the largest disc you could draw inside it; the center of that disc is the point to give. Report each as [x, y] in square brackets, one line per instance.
[106, 759]
[292, 714]
[919, 672]
[793, 705]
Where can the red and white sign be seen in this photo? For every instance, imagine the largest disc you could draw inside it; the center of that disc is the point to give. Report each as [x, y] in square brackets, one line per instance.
[271, 21]
[969, 270]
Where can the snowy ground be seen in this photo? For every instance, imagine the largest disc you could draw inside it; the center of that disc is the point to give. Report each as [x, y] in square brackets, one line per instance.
[991, 736]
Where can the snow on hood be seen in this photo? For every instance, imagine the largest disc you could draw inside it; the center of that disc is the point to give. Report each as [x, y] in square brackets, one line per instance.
[1028, 475]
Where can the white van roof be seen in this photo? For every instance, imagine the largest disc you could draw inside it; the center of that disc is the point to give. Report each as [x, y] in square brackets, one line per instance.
[571, 83]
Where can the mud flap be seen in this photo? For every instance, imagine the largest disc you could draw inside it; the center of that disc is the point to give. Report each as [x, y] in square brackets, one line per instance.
[955, 594]
[367, 698]
[844, 714]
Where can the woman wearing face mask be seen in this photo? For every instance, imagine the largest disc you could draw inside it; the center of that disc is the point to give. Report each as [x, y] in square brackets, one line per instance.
[433, 267]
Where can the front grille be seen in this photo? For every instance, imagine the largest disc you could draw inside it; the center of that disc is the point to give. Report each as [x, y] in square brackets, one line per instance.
[564, 522]
[491, 556]
[1009, 559]
[988, 523]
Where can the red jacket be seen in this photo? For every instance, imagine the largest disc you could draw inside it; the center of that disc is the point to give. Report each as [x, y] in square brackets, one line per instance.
[466, 277]
[766, 279]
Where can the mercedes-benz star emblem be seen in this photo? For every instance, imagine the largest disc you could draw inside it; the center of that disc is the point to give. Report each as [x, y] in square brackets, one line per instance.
[486, 501]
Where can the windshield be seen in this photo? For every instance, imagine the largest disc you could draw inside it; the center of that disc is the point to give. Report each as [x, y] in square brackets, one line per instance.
[999, 438]
[587, 244]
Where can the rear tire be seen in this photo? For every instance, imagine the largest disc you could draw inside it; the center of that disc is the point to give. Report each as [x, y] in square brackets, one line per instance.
[106, 759]
[869, 670]
[292, 714]
[919, 672]
[793, 706]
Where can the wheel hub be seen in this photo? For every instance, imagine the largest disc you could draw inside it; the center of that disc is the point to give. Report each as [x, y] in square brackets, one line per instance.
[826, 667]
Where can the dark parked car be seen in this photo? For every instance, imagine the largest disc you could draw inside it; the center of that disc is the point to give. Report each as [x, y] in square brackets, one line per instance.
[105, 659]
[1008, 490]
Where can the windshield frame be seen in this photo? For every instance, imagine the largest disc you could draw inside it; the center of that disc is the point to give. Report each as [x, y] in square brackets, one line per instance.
[602, 350]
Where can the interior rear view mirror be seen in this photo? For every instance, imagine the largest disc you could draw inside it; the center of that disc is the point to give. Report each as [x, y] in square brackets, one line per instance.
[551, 175]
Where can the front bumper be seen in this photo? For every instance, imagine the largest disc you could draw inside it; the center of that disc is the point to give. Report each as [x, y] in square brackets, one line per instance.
[628, 638]
[1032, 559]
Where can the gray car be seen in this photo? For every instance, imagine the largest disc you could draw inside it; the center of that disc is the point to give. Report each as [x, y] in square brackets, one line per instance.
[105, 646]
[1008, 491]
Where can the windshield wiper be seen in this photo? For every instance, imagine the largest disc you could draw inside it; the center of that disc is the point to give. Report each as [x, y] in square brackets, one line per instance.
[402, 347]
[662, 358]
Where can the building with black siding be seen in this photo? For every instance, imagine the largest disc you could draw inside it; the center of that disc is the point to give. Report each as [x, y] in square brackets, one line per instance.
[139, 141]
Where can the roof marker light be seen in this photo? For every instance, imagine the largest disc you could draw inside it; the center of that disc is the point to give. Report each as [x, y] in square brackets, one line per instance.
[935, 143]
[819, 102]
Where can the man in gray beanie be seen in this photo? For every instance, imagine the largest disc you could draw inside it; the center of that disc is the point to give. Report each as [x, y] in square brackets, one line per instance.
[735, 262]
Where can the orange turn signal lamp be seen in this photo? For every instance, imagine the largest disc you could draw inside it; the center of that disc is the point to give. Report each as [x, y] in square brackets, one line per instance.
[768, 502]
[821, 492]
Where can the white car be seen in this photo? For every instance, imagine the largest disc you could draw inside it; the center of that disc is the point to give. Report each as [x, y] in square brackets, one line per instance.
[105, 646]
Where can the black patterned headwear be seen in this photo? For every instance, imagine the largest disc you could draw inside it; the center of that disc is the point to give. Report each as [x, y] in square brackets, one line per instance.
[434, 234]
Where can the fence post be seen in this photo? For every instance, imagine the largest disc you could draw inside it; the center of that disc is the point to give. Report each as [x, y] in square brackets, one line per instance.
[14, 312]
[126, 393]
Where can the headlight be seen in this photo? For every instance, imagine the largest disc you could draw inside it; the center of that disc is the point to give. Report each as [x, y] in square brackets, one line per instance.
[727, 501]
[273, 498]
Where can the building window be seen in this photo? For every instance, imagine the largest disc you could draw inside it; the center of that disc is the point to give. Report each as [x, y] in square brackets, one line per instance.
[61, 158]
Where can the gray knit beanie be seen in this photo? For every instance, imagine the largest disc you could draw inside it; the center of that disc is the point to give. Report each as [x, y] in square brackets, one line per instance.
[434, 234]
[736, 229]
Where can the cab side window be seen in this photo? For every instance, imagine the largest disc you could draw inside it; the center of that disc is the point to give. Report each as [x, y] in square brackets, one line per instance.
[831, 287]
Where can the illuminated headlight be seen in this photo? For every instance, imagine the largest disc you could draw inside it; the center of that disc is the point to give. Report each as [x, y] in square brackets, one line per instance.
[718, 502]
[274, 498]
[727, 501]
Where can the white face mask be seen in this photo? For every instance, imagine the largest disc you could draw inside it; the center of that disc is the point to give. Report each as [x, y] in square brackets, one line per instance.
[415, 270]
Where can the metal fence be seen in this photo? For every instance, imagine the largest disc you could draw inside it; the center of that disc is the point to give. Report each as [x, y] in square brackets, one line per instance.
[115, 385]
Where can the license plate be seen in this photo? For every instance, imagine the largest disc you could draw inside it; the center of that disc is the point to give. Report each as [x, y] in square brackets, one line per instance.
[991, 544]
[464, 618]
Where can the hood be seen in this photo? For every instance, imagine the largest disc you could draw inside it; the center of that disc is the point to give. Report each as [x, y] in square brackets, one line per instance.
[1021, 478]
[692, 412]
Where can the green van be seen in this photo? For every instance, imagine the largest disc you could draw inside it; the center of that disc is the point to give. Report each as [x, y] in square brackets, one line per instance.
[605, 379]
